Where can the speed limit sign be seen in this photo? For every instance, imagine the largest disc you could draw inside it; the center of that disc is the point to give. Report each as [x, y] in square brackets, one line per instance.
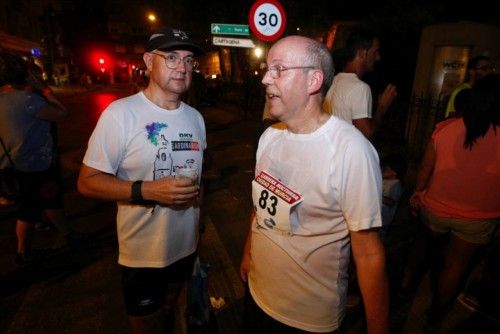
[267, 19]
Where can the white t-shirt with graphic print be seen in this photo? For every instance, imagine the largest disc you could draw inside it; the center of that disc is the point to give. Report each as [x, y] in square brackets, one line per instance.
[135, 139]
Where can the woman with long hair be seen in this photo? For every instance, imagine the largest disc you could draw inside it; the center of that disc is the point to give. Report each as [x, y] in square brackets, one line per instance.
[458, 187]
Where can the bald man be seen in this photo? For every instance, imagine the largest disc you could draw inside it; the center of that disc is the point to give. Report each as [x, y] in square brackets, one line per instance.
[316, 192]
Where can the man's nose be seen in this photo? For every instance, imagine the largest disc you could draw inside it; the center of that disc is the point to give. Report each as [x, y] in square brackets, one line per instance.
[266, 79]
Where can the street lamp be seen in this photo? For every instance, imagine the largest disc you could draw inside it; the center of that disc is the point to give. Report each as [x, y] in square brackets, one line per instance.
[152, 20]
[151, 17]
[258, 52]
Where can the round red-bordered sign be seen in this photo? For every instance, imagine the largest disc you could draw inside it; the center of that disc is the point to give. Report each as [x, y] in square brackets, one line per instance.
[267, 19]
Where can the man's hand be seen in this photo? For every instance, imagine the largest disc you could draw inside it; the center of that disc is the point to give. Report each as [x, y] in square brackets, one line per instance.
[386, 98]
[245, 266]
[416, 202]
[368, 126]
[166, 191]
[170, 191]
[245, 261]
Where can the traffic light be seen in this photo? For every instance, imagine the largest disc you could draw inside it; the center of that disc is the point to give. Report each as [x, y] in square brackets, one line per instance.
[101, 61]
[102, 64]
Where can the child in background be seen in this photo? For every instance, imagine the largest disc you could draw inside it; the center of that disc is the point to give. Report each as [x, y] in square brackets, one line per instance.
[393, 170]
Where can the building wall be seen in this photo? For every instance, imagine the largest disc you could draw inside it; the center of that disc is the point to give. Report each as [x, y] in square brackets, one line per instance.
[14, 44]
[443, 55]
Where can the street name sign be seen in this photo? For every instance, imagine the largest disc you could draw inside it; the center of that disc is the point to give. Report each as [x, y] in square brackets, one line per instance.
[230, 29]
[236, 42]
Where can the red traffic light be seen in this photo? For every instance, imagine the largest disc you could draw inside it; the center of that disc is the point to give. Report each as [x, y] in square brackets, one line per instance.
[100, 60]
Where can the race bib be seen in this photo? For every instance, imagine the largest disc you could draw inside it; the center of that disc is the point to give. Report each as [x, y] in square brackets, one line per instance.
[273, 202]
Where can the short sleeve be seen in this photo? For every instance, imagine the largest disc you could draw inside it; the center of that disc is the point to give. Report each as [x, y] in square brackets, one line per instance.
[361, 186]
[361, 99]
[106, 144]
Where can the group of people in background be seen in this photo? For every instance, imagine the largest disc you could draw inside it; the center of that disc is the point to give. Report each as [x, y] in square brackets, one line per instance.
[147, 152]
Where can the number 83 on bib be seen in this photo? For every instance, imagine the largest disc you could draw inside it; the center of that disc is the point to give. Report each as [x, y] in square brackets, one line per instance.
[273, 202]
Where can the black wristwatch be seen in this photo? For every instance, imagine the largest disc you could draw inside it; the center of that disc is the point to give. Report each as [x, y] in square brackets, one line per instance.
[136, 192]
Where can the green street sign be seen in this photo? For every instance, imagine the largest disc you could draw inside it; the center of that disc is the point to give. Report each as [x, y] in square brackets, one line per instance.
[230, 29]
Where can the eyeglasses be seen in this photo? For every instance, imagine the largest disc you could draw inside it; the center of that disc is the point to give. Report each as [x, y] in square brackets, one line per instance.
[275, 71]
[173, 60]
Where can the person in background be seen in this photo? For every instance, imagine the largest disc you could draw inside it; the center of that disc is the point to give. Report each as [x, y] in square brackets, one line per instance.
[458, 187]
[54, 215]
[146, 153]
[317, 190]
[478, 67]
[350, 98]
[393, 172]
[25, 119]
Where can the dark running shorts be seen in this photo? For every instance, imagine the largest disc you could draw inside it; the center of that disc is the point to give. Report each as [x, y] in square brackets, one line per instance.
[38, 191]
[145, 289]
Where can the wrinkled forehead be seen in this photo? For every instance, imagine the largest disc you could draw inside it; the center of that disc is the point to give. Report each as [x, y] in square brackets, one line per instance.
[181, 52]
[285, 52]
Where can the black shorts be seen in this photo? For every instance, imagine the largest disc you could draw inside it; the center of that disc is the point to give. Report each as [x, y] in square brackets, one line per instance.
[145, 289]
[38, 191]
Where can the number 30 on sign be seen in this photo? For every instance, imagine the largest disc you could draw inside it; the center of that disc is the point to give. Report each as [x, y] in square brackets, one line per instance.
[267, 19]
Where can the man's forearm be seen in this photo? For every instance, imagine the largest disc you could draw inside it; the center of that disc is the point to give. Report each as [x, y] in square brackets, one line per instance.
[104, 186]
[369, 255]
[374, 288]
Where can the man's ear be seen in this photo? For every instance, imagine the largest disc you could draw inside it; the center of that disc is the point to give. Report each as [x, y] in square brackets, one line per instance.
[148, 60]
[316, 78]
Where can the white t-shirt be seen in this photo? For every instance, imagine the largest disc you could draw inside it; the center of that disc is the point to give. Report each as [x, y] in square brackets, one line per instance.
[135, 139]
[301, 279]
[349, 98]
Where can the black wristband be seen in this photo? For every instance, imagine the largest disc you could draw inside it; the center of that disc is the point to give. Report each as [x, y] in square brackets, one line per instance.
[136, 192]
